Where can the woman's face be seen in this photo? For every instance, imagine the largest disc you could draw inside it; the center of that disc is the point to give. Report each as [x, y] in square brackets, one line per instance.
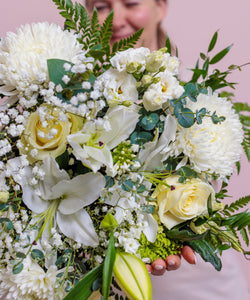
[130, 16]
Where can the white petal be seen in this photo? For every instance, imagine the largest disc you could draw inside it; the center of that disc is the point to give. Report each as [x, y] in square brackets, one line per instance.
[78, 227]
[34, 202]
[123, 121]
[151, 231]
[79, 192]
[151, 155]
[53, 175]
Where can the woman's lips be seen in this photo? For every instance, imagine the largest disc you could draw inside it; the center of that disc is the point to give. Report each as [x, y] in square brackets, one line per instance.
[117, 38]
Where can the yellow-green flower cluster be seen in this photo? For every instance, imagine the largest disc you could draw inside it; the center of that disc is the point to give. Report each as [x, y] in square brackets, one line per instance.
[161, 248]
[123, 154]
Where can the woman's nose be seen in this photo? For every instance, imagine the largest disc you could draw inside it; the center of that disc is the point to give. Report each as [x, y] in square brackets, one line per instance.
[119, 19]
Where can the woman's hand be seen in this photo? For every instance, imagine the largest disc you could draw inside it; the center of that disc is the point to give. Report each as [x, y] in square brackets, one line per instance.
[172, 262]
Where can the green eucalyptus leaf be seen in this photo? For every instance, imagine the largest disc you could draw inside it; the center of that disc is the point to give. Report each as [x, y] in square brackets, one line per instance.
[108, 267]
[20, 255]
[205, 250]
[17, 268]
[185, 117]
[220, 55]
[149, 122]
[127, 185]
[83, 289]
[140, 138]
[213, 42]
[37, 254]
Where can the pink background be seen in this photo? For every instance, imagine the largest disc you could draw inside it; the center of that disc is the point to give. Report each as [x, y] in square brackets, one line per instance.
[190, 24]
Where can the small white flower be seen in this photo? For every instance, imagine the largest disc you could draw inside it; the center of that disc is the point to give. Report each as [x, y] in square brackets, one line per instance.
[66, 79]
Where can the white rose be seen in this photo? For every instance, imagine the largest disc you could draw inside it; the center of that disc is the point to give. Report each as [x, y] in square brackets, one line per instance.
[183, 201]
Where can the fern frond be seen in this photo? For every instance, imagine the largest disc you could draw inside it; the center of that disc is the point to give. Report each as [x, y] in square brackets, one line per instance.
[242, 202]
[126, 43]
[244, 235]
[237, 221]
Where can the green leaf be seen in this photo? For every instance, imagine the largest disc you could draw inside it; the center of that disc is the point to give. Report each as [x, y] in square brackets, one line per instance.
[20, 255]
[209, 206]
[37, 254]
[57, 71]
[109, 222]
[140, 138]
[168, 45]
[108, 267]
[220, 55]
[127, 185]
[213, 42]
[184, 235]
[205, 250]
[17, 268]
[185, 117]
[83, 289]
[149, 122]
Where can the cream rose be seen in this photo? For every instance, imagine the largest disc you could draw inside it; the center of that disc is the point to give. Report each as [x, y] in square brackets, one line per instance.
[183, 201]
[48, 136]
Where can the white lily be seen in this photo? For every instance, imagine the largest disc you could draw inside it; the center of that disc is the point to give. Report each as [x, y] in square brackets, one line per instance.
[62, 199]
[92, 146]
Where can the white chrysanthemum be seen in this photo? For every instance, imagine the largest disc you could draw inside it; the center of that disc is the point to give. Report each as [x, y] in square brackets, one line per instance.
[31, 283]
[23, 55]
[212, 148]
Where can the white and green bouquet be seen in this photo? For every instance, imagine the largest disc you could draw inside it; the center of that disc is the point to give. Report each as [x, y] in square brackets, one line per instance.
[109, 161]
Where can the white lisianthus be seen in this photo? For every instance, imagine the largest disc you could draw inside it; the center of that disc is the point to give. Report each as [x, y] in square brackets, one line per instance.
[117, 87]
[23, 55]
[31, 283]
[62, 199]
[161, 59]
[130, 58]
[167, 88]
[92, 145]
[211, 148]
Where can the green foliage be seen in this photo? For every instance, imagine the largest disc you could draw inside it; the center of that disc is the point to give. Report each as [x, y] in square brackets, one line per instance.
[94, 37]
[83, 289]
[206, 251]
[235, 206]
[108, 267]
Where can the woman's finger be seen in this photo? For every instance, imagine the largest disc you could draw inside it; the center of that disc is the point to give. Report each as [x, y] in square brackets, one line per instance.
[189, 255]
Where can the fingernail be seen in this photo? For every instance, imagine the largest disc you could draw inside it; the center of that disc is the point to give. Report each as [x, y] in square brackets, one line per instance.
[158, 267]
[171, 262]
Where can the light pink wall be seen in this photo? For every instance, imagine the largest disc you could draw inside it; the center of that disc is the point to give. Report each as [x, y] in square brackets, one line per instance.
[191, 24]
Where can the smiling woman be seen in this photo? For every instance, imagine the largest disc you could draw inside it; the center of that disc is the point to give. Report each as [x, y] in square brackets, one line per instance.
[132, 15]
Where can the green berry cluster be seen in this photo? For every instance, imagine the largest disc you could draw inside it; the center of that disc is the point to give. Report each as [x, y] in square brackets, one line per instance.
[123, 154]
[161, 248]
